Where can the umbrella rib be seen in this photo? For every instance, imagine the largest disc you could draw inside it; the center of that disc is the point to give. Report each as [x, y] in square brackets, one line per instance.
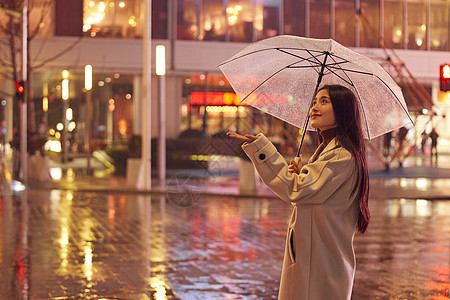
[358, 95]
[314, 63]
[299, 67]
[337, 66]
[267, 49]
[315, 57]
[233, 59]
[336, 62]
[348, 70]
[349, 82]
[308, 59]
[275, 73]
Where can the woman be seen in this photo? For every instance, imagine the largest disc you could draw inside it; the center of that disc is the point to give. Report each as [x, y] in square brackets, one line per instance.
[329, 195]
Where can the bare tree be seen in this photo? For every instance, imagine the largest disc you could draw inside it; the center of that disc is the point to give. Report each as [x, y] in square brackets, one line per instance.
[11, 27]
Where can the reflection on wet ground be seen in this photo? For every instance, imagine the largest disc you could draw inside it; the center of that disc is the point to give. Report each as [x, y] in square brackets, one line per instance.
[74, 245]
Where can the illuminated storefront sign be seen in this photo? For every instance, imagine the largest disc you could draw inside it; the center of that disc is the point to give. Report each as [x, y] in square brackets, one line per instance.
[215, 98]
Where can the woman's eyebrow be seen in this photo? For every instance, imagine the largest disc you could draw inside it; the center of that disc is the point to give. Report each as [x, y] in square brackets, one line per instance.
[326, 97]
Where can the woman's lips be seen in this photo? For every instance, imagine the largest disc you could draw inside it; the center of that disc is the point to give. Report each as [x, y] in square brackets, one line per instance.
[314, 116]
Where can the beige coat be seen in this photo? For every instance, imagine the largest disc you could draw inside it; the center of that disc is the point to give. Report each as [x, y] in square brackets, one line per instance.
[319, 260]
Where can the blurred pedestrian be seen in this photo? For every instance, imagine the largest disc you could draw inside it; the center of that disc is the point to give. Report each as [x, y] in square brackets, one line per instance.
[329, 196]
[434, 136]
[387, 144]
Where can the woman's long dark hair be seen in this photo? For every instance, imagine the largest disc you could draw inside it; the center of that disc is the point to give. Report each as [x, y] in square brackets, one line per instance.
[350, 136]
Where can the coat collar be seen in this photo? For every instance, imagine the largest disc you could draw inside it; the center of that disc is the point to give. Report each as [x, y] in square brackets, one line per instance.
[321, 150]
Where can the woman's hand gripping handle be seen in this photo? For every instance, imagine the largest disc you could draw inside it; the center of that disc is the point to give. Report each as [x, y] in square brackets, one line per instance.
[295, 165]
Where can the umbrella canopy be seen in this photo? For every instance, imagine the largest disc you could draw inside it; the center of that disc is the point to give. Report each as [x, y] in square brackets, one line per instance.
[280, 76]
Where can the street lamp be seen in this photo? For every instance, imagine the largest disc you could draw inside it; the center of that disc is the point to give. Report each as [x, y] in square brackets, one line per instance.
[160, 60]
[45, 98]
[88, 77]
[88, 88]
[161, 71]
[65, 98]
[65, 85]
[69, 114]
[65, 89]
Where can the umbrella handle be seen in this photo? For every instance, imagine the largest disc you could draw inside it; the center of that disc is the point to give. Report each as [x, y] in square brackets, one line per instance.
[319, 80]
[297, 159]
[303, 136]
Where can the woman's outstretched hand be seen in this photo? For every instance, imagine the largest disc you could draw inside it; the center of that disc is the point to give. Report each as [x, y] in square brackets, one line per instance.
[295, 167]
[245, 138]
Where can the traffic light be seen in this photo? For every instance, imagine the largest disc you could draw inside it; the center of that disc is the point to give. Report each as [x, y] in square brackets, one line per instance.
[445, 77]
[20, 89]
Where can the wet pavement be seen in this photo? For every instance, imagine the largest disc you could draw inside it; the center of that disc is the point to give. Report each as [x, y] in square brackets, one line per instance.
[198, 237]
[75, 244]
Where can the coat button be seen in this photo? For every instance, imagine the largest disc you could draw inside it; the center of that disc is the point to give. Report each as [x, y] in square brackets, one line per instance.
[262, 156]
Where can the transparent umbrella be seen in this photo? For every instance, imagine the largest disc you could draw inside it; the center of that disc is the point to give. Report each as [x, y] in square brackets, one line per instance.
[280, 76]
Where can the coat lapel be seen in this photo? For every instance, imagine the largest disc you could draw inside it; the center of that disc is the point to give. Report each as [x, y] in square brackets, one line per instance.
[322, 151]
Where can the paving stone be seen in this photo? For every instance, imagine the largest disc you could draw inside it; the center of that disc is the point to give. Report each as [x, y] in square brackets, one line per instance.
[66, 244]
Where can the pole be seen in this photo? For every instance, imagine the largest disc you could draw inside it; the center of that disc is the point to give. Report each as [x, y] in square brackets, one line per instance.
[88, 130]
[162, 130]
[146, 105]
[109, 123]
[88, 127]
[65, 94]
[65, 132]
[358, 25]
[319, 80]
[205, 105]
[23, 110]
[160, 70]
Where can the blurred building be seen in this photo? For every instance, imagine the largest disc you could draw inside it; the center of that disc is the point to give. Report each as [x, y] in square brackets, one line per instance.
[198, 35]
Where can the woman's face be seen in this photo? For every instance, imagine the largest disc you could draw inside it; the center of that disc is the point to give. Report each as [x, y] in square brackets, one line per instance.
[322, 113]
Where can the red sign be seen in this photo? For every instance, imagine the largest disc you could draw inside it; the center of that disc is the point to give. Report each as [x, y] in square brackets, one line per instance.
[215, 98]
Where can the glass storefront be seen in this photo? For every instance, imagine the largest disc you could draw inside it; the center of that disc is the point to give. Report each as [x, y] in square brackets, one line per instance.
[112, 107]
[209, 105]
[407, 24]
[294, 17]
[320, 19]
[417, 25]
[123, 18]
[367, 37]
[394, 31]
[439, 25]
[210, 108]
[242, 20]
[194, 22]
[40, 17]
[345, 25]
[233, 20]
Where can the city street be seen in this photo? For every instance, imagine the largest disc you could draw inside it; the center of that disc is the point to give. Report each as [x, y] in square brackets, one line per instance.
[130, 148]
[67, 244]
